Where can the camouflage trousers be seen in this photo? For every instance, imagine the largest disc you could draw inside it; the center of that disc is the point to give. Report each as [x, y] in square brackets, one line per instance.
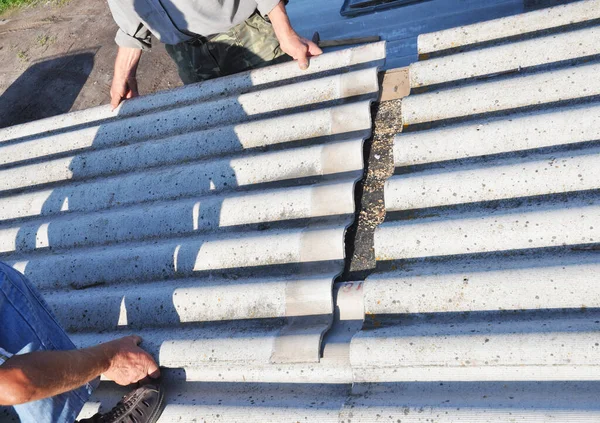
[249, 45]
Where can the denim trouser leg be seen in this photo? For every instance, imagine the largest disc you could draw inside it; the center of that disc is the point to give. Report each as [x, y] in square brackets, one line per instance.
[27, 325]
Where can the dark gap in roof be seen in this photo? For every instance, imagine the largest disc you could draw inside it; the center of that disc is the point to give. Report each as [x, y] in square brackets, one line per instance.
[368, 195]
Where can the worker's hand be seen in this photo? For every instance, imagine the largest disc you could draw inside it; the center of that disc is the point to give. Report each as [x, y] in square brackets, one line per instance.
[122, 89]
[290, 42]
[128, 362]
[124, 83]
[299, 48]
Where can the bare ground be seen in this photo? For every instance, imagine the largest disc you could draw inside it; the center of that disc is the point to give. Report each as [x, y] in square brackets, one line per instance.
[54, 59]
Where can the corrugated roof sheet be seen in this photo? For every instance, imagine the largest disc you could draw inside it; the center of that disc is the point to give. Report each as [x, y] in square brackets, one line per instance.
[485, 305]
[209, 220]
[399, 26]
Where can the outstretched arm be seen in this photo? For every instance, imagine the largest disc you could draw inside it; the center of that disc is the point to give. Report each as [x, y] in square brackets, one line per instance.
[43, 374]
[291, 43]
[124, 83]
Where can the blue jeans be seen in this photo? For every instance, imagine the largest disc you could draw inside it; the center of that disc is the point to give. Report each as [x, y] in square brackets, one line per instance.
[27, 325]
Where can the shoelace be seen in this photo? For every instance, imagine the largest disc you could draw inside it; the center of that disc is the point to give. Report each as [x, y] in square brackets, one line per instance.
[120, 409]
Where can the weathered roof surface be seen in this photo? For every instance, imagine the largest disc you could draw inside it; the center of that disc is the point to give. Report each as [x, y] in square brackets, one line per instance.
[484, 307]
[399, 26]
[487, 293]
[210, 220]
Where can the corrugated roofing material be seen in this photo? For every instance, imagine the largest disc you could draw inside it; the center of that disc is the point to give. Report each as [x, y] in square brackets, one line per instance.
[407, 402]
[222, 254]
[399, 26]
[487, 300]
[522, 25]
[210, 220]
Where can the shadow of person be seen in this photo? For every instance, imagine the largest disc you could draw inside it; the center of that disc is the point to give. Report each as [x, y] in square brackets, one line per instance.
[127, 216]
[47, 88]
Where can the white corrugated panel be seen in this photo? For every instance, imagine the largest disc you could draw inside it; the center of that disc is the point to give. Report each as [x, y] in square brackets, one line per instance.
[513, 26]
[446, 402]
[507, 58]
[222, 254]
[210, 220]
[486, 303]
[489, 402]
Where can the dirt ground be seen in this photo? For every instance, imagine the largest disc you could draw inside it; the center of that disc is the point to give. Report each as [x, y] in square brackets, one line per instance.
[54, 59]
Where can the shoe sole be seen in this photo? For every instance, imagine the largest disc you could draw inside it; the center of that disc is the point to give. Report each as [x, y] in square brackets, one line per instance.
[159, 409]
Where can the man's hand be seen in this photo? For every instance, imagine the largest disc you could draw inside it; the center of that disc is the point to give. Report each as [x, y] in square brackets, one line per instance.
[122, 89]
[291, 43]
[43, 374]
[299, 48]
[124, 83]
[128, 362]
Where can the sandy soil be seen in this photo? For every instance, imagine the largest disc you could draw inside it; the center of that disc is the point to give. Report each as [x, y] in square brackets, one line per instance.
[54, 59]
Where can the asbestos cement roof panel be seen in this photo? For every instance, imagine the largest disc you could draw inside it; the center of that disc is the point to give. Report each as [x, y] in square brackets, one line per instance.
[209, 219]
[486, 301]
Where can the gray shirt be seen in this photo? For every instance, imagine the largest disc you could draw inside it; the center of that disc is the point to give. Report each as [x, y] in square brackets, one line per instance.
[175, 21]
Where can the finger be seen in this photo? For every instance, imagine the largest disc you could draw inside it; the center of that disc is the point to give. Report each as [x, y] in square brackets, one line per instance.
[122, 382]
[131, 94]
[133, 86]
[114, 101]
[313, 49]
[153, 371]
[303, 62]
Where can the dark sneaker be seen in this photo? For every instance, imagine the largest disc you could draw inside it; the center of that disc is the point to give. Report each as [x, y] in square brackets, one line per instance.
[143, 405]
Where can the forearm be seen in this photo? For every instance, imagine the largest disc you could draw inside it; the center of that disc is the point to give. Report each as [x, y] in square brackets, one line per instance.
[281, 23]
[127, 62]
[290, 42]
[124, 83]
[43, 374]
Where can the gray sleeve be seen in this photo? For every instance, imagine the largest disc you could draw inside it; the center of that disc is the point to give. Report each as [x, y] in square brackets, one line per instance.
[140, 39]
[132, 32]
[265, 6]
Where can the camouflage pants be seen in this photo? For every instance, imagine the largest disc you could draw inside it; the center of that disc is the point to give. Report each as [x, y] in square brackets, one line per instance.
[249, 45]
